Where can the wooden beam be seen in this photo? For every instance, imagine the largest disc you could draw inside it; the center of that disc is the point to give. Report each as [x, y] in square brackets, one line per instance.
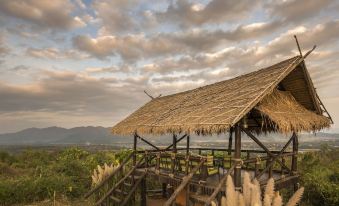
[263, 146]
[230, 141]
[295, 151]
[149, 143]
[237, 157]
[132, 191]
[275, 158]
[135, 148]
[296, 40]
[143, 191]
[178, 140]
[187, 145]
[183, 184]
[218, 188]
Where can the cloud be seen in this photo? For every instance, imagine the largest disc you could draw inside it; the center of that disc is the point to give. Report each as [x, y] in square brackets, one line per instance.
[4, 49]
[139, 46]
[130, 47]
[81, 4]
[20, 68]
[250, 57]
[69, 92]
[187, 13]
[54, 53]
[116, 16]
[98, 70]
[294, 11]
[54, 14]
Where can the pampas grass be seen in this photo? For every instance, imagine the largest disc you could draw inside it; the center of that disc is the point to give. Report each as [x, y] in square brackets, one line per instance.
[101, 173]
[230, 190]
[296, 197]
[251, 194]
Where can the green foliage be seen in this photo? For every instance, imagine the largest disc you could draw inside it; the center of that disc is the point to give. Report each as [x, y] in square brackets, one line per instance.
[320, 177]
[35, 175]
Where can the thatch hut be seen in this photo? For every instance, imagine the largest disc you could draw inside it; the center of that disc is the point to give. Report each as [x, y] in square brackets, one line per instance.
[280, 98]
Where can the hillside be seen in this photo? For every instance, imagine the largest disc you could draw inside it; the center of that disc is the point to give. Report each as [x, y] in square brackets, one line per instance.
[101, 135]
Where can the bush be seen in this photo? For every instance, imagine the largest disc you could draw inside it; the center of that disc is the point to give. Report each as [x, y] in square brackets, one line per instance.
[29, 189]
[319, 175]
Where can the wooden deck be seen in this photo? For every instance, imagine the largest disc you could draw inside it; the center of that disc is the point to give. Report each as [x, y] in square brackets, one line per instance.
[194, 176]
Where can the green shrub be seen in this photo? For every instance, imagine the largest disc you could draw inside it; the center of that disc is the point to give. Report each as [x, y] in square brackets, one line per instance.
[30, 189]
[319, 175]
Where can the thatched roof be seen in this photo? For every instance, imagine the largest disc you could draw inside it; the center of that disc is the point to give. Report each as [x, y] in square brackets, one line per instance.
[217, 107]
[284, 113]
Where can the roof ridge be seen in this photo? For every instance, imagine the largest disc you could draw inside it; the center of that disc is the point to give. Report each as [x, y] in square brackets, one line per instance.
[233, 78]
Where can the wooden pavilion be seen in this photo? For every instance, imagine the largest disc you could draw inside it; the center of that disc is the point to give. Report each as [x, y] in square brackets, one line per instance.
[280, 98]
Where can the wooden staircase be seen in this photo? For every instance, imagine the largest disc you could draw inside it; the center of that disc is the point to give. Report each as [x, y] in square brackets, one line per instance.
[118, 189]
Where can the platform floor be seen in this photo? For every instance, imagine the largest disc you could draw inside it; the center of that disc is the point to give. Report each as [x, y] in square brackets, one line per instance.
[213, 180]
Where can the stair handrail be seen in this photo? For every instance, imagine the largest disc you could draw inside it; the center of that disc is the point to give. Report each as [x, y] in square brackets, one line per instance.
[120, 181]
[218, 188]
[97, 187]
[185, 181]
[133, 189]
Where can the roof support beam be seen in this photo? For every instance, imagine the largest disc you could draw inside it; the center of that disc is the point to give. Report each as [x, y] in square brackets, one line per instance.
[147, 142]
[263, 146]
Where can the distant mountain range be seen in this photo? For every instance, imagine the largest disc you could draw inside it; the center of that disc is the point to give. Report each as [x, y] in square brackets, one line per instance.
[58, 135]
[102, 135]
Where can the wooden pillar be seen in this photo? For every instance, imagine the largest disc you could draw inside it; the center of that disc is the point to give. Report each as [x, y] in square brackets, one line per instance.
[230, 141]
[187, 145]
[143, 192]
[237, 158]
[174, 151]
[187, 169]
[135, 149]
[295, 158]
[295, 155]
[164, 190]
[270, 170]
[174, 148]
[248, 156]
[134, 160]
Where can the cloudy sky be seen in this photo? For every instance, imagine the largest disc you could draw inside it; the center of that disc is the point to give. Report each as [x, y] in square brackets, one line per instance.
[86, 62]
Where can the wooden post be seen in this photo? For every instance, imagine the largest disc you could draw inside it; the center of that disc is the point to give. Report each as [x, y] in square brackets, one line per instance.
[187, 145]
[174, 151]
[270, 170]
[164, 190]
[187, 169]
[282, 168]
[247, 157]
[295, 158]
[295, 155]
[230, 141]
[237, 158]
[135, 149]
[134, 160]
[143, 187]
[256, 169]
[174, 143]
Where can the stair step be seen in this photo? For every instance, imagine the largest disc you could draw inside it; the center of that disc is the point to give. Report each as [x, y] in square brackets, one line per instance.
[199, 198]
[115, 199]
[136, 177]
[121, 192]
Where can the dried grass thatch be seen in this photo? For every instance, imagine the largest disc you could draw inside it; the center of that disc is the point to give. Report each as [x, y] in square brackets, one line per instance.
[211, 109]
[286, 114]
